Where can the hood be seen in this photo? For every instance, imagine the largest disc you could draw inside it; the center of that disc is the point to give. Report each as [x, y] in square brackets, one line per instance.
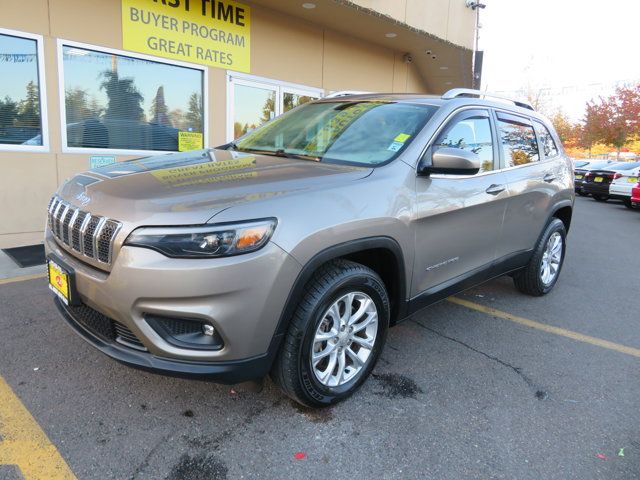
[190, 188]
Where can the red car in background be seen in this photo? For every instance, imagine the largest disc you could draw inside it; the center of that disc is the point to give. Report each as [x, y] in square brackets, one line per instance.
[635, 195]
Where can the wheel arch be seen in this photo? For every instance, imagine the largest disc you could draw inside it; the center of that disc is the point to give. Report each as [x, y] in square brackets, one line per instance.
[564, 212]
[381, 254]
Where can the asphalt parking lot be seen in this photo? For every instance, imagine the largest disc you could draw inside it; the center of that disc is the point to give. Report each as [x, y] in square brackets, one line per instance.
[459, 393]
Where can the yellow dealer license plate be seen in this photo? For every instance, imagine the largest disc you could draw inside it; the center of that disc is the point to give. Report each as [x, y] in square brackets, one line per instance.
[632, 179]
[598, 179]
[59, 281]
[578, 177]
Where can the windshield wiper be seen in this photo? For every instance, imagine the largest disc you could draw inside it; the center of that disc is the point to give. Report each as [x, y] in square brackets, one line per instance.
[283, 153]
[277, 153]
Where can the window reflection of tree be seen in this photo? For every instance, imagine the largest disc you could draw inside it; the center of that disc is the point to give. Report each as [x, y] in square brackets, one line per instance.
[519, 143]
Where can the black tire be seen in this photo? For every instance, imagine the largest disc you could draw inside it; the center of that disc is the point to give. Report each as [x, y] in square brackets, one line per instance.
[292, 369]
[582, 193]
[627, 203]
[529, 280]
[600, 198]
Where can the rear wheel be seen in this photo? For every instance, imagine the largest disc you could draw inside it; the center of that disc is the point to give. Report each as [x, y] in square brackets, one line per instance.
[541, 274]
[627, 203]
[600, 198]
[336, 335]
[582, 193]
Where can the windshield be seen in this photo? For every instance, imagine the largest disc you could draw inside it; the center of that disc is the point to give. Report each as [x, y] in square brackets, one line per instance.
[598, 165]
[627, 166]
[365, 133]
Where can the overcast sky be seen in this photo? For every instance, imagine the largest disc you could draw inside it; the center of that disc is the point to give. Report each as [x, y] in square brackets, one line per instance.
[575, 50]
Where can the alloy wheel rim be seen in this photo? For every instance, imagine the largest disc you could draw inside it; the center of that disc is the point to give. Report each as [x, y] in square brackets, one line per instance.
[344, 339]
[551, 259]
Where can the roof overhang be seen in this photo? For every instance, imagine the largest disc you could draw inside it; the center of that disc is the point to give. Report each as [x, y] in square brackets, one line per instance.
[441, 64]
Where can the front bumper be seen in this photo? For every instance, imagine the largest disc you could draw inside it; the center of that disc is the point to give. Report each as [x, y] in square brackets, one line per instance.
[241, 296]
[229, 372]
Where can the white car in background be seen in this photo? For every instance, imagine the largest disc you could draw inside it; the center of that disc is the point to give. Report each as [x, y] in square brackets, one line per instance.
[627, 176]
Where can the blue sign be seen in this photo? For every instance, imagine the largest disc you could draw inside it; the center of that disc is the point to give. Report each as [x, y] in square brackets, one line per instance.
[96, 161]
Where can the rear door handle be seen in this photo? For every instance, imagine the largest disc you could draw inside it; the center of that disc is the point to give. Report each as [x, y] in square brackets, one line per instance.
[495, 189]
[549, 177]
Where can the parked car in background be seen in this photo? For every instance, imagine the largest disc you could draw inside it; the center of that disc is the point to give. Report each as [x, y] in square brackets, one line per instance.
[622, 185]
[597, 182]
[580, 163]
[580, 171]
[635, 196]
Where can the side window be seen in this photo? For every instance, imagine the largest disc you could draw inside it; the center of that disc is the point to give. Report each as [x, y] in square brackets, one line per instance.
[472, 134]
[546, 140]
[519, 144]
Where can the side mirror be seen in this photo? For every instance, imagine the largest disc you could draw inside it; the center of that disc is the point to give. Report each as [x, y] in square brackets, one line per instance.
[455, 161]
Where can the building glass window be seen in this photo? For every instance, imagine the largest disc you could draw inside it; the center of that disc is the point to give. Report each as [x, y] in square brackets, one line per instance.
[120, 102]
[21, 120]
[292, 100]
[253, 106]
[253, 101]
[471, 134]
[519, 143]
[546, 140]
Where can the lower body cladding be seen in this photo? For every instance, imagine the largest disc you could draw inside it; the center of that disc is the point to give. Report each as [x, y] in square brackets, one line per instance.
[212, 319]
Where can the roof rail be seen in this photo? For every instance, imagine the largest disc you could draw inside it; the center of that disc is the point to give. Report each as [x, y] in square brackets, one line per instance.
[467, 92]
[344, 93]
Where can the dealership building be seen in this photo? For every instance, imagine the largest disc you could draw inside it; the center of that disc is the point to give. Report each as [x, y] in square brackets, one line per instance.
[85, 83]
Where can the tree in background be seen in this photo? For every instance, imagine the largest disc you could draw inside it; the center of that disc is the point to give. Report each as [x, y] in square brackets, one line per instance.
[29, 108]
[125, 100]
[159, 110]
[78, 106]
[8, 112]
[268, 109]
[567, 131]
[614, 120]
[194, 115]
[178, 119]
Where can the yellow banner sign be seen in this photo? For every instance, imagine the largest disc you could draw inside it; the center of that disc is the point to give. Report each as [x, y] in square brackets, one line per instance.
[208, 32]
[189, 141]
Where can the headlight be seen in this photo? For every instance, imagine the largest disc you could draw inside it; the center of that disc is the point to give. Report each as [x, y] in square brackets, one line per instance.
[205, 241]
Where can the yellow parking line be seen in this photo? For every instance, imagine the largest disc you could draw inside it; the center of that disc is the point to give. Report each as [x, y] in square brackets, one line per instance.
[635, 352]
[24, 444]
[23, 278]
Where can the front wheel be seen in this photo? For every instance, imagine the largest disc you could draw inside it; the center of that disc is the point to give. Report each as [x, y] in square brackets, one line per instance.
[541, 274]
[335, 336]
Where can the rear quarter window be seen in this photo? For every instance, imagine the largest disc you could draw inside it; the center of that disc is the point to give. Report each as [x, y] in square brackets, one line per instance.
[549, 147]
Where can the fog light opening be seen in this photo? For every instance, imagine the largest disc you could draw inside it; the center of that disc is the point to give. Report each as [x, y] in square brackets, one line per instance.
[208, 330]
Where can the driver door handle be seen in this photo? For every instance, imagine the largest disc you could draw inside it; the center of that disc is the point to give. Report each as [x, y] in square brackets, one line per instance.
[549, 177]
[495, 189]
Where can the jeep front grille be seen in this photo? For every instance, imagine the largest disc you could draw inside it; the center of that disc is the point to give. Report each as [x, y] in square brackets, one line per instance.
[89, 235]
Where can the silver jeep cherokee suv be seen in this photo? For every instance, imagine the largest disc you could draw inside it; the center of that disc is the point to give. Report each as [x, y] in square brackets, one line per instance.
[292, 250]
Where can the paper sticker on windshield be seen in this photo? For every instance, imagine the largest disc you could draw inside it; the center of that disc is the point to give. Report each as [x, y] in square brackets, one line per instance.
[395, 146]
[402, 137]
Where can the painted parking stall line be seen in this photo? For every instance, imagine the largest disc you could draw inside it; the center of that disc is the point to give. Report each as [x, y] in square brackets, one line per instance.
[634, 352]
[24, 444]
[23, 278]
